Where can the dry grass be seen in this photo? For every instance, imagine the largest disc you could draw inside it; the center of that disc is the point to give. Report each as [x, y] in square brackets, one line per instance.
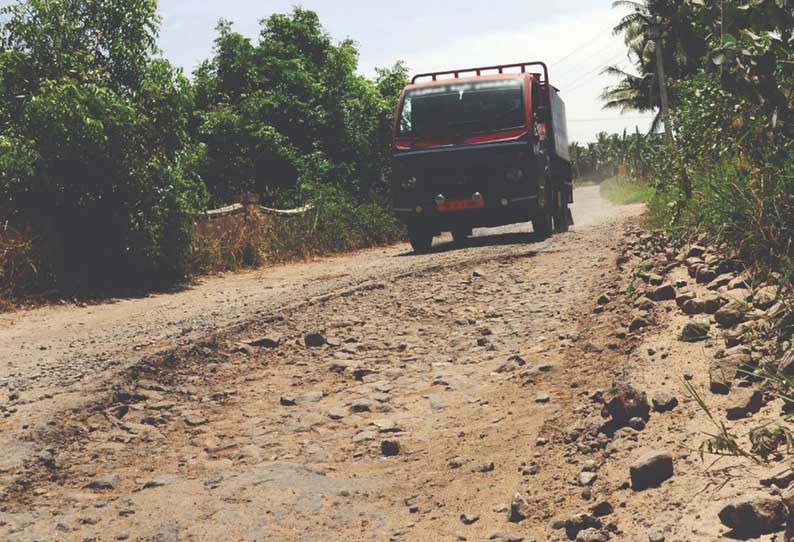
[20, 263]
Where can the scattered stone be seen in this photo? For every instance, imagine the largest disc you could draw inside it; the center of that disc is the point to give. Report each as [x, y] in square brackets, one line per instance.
[589, 466]
[437, 402]
[309, 398]
[651, 470]
[664, 401]
[731, 314]
[637, 423]
[755, 515]
[107, 482]
[506, 537]
[337, 413]
[765, 297]
[705, 275]
[512, 364]
[487, 467]
[542, 398]
[656, 536]
[744, 402]
[592, 535]
[781, 479]
[468, 519]
[603, 299]
[519, 509]
[266, 341]
[723, 371]
[638, 323]
[160, 481]
[456, 462]
[602, 508]
[694, 331]
[314, 339]
[720, 281]
[587, 478]
[196, 419]
[579, 523]
[390, 448]
[696, 251]
[362, 405]
[286, 400]
[624, 402]
[364, 436]
[693, 306]
[665, 292]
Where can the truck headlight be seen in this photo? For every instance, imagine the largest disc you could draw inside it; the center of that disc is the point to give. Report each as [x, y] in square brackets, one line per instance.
[514, 175]
[409, 183]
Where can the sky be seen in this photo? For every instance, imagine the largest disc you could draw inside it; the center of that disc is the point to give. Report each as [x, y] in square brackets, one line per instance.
[573, 36]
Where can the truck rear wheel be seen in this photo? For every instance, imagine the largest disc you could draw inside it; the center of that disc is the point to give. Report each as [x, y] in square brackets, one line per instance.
[542, 224]
[421, 239]
[561, 212]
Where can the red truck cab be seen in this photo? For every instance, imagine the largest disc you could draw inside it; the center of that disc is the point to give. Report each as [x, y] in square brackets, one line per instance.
[481, 147]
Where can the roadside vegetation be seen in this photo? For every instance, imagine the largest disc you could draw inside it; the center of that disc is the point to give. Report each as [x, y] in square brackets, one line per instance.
[110, 155]
[623, 190]
[725, 173]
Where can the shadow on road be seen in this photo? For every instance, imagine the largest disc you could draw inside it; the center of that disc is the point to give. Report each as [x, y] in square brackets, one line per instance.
[492, 240]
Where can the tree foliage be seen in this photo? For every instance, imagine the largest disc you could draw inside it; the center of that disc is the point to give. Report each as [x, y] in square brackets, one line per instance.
[97, 155]
[109, 153]
[288, 114]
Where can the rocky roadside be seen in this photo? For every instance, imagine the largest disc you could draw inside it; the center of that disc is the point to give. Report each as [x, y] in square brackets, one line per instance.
[686, 325]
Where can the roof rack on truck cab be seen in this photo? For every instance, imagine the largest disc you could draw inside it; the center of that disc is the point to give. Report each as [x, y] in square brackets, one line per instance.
[479, 71]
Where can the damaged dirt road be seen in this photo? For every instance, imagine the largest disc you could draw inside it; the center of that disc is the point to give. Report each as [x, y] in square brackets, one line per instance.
[378, 396]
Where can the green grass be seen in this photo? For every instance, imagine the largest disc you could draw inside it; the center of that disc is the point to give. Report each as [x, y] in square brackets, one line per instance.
[624, 191]
[581, 183]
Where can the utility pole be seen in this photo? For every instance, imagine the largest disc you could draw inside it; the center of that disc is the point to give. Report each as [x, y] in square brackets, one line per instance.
[656, 35]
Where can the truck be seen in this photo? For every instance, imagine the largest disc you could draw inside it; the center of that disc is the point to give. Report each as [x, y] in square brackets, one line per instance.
[481, 147]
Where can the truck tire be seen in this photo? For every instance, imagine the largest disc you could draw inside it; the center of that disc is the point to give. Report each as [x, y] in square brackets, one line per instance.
[561, 213]
[461, 235]
[421, 239]
[542, 224]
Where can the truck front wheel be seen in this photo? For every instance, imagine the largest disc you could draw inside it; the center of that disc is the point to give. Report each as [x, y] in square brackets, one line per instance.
[461, 235]
[421, 239]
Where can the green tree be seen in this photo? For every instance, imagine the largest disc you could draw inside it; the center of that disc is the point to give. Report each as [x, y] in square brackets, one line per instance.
[96, 153]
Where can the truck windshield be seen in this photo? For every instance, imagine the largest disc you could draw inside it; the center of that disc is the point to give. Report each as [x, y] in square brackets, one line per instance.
[463, 108]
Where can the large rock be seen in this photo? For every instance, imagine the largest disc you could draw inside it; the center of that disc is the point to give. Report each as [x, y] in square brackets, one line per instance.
[705, 274]
[720, 281]
[696, 252]
[754, 515]
[314, 339]
[723, 372]
[664, 292]
[664, 401]
[695, 330]
[271, 340]
[579, 523]
[712, 302]
[744, 401]
[651, 470]
[519, 509]
[731, 314]
[624, 402]
[693, 306]
[765, 297]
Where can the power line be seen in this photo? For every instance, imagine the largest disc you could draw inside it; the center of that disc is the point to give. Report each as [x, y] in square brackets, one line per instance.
[609, 119]
[586, 61]
[582, 46]
[587, 76]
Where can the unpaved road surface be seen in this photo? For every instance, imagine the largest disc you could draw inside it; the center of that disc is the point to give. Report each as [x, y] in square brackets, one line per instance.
[430, 405]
